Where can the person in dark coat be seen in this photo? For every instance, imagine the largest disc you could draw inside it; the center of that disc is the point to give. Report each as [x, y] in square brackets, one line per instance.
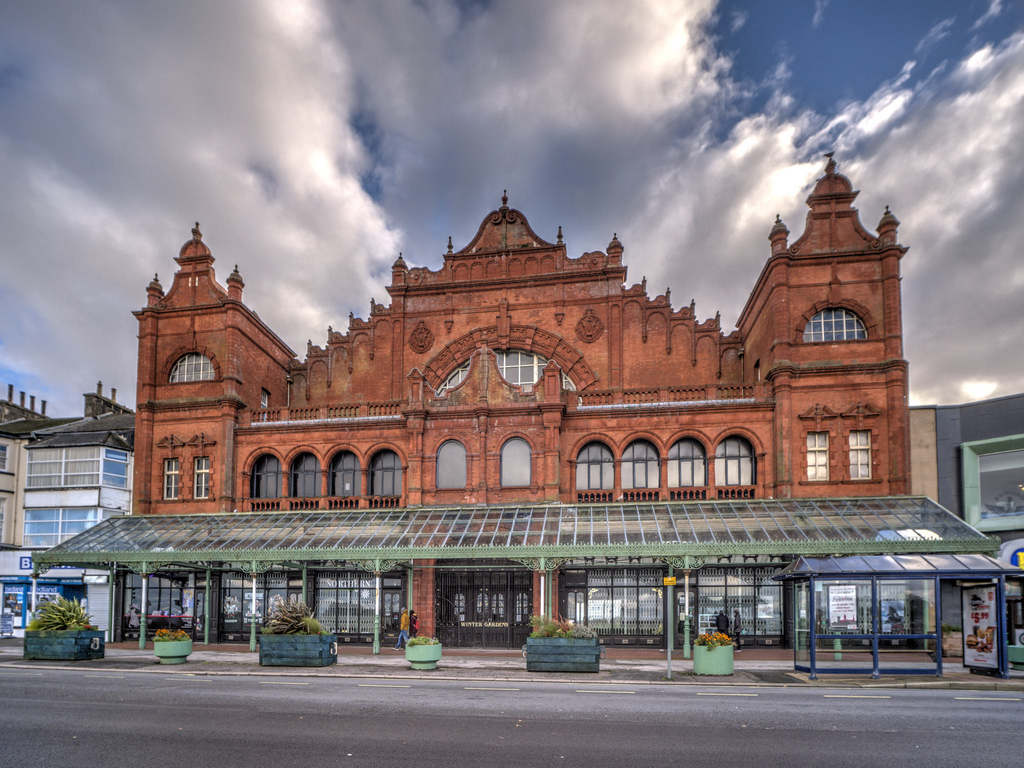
[737, 628]
[414, 624]
[722, 623]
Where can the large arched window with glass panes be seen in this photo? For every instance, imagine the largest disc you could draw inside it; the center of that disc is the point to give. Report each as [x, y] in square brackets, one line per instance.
[734, 462]
[265, 482]
[451, 465]
[595, 468]
[304, 479]
[687, 465]
[344, 475]
[515, 463]
[386, 474]
[517, 366]
[834, 324]
[192, 367]
[640, 466]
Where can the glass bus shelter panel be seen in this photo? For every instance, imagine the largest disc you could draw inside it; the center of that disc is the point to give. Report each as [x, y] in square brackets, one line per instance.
[802, 623]
[905, 607]
[842, 607]
[844, 654]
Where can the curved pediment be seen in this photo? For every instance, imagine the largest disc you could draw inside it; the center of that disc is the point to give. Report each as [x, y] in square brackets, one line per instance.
[505, 229]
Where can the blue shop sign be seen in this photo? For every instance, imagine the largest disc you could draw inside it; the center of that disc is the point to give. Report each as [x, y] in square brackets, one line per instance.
[25, 564]
[1017, 557]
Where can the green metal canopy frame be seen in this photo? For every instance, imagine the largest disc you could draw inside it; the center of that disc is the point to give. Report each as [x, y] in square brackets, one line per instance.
[541, 535]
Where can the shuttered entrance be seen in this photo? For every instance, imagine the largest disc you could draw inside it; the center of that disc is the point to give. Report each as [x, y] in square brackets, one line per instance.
[483, 609]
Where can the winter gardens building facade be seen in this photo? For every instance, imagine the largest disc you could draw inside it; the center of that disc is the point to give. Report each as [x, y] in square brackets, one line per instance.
[517, 433]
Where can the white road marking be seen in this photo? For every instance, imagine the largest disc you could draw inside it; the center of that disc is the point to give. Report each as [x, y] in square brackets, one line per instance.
[585, 691]
[985, 698]
[383, 685]
[486, 688]
[112, 677]
[854, 696]
[279, 682]
[728, 694]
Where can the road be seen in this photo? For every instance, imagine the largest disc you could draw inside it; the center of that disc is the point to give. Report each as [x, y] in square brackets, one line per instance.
[90, 718]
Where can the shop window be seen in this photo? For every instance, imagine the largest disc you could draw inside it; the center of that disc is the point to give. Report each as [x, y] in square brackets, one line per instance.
[266, 478]
[595, 468]
[192, 367]
[834, 324]
[817, 455]
[687, 464]
[640, 466]
[451, 465]
[201, 481]
[172, 477]
[734, 462]
[1001, 476]
[860, 454]
[515, 463]
[386, 474]
[344, 475]
[305, 476]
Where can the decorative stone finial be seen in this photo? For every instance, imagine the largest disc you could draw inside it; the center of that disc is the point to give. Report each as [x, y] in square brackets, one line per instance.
[449, 243]
[196, 234]
[504, 198]
[615, 245]
[559, 239]
[830, 166]
[399, 262]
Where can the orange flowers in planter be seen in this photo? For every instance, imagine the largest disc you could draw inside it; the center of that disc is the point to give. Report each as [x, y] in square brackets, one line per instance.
[713, 639]
[170, 635]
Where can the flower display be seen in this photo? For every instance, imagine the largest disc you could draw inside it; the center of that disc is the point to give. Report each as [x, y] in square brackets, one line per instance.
[170, 635]
[713, 639]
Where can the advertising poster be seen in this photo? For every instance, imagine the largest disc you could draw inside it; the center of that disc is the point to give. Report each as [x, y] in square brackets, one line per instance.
[893, 617]
[842, 606]
[766, 606]
[979, 606]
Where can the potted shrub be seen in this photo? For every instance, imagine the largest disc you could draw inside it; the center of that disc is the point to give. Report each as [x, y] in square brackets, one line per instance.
[561, 646]
[172, 646]
[713, 654]
[423, 652]
[293, 637]
[62, 630]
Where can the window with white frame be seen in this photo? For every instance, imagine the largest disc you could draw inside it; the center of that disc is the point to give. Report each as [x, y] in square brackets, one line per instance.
[3, 457]
[264, 399]
[860, 454]
[172, 478]
[455, 378]
[49, 527]
[192, 367]
[115, 467]
[817, 455]
[520, 367]
[64, 467]
[835, 324]
[201, 481]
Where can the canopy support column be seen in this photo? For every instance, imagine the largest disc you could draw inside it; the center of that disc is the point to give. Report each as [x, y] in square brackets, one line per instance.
[35, 580]
[409, 594]
[305, 584]
[376, 607]
[112, 581]
[252, 620]
[206, 609]
[144, 609]
[670, 623]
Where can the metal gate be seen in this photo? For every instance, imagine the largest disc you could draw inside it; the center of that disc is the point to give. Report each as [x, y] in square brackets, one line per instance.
[483, 609]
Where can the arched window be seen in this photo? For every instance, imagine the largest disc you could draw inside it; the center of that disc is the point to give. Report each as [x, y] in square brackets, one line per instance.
[386, 474]
[515, 463]
[344, 475]
[734, 462]
[687, 465]
[517, 366]
[192, 367]
[640, 466]
[451, 465]
[305, 476]
[595, 468]
[455, 378]
[834, 324]
[266, 478]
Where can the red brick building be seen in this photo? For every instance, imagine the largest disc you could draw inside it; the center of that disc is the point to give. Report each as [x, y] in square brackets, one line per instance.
[518, 373]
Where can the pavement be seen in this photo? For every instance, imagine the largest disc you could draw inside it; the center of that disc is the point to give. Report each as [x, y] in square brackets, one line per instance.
[753, 667]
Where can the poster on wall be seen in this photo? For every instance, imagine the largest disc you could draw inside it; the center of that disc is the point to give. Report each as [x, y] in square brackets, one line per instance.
[842, 606]
[979, 614]
[893, 617]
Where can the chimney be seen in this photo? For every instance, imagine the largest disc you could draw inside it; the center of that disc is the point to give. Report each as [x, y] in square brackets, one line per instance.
[22, 393]
[10, 393]
[113, 394]
[42, 412]
[32, 403]
[99, 388]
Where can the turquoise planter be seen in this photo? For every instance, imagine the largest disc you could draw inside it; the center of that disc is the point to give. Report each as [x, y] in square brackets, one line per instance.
[563, 654]
[423, 656]
[298, 650]
[172, 651]
[712, 661]
[66, 645]
[1015, 653]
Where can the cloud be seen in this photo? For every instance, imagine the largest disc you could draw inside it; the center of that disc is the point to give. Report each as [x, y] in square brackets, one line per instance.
[935, 35]
[994, 9]
[819, 12]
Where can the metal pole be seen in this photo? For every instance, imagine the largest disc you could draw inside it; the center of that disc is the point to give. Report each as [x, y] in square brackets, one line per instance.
[543, 605]
[408, 598]
[686, 617]
[1004, 666]
[670, 624]
[35, 578]
[206, 609]
[875, 673]
[813, 637]
[305, 585]
[111, 581]
[376, 614]
[938, 627]
[143, 610]
[252, 620]
[549, 597]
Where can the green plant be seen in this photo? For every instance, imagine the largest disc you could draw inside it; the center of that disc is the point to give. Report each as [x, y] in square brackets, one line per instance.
[713, 640]
[422, 640]
[292, 618]
[61, 615]
[170, 635]
[543, 627]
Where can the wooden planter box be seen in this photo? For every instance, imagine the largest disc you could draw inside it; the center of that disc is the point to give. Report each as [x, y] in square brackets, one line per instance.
[423, 656]
[563, 654]
[298, 650]
[172, 651]
[713, 661]
[68, 645]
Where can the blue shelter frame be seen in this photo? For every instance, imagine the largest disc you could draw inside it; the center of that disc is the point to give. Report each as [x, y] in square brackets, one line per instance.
[877, 570]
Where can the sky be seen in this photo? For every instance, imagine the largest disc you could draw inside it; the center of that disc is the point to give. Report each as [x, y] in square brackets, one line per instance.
[314, 141]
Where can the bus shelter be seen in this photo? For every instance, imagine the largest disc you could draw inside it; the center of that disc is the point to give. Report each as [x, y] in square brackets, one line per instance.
[883, 613]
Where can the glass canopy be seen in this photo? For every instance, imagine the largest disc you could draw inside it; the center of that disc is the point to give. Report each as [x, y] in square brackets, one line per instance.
[975, 566]
[777, 526]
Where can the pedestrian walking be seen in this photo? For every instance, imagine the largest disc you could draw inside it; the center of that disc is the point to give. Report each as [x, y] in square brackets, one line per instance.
[403, 630]
[722, 622]
[737, 628]
[414, 624]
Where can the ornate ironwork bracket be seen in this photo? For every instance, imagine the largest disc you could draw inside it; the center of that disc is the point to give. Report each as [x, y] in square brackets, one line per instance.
[377, 565]
[542, 563]
[255, 567]
[685, 563]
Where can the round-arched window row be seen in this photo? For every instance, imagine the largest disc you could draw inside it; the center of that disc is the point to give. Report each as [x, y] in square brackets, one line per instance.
[834, 324]
[686, 465]
[344, 476]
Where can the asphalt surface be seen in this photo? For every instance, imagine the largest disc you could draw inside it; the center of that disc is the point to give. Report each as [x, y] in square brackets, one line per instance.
[89, 717]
